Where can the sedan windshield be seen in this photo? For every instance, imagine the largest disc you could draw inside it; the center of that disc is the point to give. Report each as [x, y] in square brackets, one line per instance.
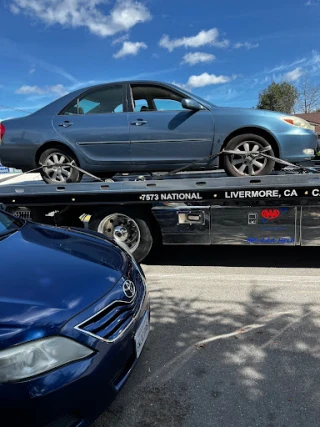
[9, 224]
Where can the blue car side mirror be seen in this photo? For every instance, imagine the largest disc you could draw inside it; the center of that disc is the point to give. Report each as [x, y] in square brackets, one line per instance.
[191, 104]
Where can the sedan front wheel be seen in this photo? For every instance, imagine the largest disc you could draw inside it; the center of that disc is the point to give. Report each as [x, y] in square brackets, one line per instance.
[249, 161]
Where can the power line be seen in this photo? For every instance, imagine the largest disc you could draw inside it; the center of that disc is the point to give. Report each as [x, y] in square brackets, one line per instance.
[13, 109]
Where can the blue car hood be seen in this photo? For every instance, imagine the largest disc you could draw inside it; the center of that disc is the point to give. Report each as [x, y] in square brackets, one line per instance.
[247, 112]
[49, 275]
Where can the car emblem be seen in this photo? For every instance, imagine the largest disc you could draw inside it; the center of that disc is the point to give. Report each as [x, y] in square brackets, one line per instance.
[129, 289]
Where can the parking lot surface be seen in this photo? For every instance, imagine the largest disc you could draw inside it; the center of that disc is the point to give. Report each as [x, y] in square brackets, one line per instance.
[234, 341]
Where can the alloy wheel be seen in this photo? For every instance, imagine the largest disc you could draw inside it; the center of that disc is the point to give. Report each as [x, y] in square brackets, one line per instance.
[250, 161]
[57, 167]
[123, 229]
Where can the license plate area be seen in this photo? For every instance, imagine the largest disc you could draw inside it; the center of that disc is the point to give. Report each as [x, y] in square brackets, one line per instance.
[142, 334]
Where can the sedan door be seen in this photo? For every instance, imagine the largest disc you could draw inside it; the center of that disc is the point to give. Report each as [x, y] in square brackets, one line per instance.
[96, 125]
[164, 134]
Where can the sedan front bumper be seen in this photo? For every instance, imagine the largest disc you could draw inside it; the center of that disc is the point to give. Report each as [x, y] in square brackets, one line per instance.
[75, 394]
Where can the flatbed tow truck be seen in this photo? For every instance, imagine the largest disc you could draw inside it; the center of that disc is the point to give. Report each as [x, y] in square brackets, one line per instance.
[181, 208]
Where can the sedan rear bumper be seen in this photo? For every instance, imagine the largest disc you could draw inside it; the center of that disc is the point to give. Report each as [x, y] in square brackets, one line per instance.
[10, 156]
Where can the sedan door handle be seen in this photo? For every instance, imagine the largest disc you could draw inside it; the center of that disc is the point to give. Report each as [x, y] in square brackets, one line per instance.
[139, 122]
[65, 124]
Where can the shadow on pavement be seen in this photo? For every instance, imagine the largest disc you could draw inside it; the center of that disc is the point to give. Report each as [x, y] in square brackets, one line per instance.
[252, 363]
[236, 256]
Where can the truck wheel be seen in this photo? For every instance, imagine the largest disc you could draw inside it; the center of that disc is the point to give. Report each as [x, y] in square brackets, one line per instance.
[56, 170]
[251, 165]
[129, 228]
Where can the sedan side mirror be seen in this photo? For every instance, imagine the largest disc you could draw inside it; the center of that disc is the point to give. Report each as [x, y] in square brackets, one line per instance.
[191, 104]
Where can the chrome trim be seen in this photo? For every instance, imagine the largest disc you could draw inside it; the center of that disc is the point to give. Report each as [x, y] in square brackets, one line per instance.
[180, 206]
[169, 140]
[128, 285]
[142, 141]
[183, 217]
[102, 143]
[78, 327]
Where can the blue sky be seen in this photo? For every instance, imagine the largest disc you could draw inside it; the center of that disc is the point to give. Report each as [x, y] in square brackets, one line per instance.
[223, 50]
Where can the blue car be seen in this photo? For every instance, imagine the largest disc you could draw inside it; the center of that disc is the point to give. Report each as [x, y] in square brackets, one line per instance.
[74, 317]
[146, 126]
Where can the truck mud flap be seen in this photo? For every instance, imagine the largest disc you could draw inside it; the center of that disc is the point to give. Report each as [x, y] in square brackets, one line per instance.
[254, 226]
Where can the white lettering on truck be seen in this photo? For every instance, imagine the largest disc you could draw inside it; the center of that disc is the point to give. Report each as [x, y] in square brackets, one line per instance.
[290, 193]
[251, 194]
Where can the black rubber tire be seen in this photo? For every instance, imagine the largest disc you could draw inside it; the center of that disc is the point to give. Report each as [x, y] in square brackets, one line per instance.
[233, 143]
[76, 176]
[143, 221]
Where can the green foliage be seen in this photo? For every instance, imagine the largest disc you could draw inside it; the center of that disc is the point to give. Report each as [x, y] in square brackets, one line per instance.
[278, 97]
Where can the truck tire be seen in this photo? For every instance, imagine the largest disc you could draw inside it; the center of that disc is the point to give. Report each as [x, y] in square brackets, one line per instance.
[241, 166]
[61, 174]
[130, 228]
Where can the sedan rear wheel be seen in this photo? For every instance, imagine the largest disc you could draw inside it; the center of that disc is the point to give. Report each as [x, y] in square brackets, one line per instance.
[123, 229]
[249, 161]
[57, 168]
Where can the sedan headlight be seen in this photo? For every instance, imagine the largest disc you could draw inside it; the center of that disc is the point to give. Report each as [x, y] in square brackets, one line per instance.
[296, 121]
[36, 357]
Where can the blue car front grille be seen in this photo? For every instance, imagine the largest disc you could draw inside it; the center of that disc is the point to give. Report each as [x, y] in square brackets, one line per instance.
[112, 321]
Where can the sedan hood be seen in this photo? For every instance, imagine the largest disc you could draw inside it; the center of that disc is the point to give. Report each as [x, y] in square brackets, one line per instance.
[247, 112]
[49, 275]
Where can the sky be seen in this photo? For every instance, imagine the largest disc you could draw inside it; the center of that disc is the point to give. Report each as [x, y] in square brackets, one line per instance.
[225, 51]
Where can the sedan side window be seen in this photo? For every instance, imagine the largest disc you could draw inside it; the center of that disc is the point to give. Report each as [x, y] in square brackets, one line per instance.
[141, 105]
[168, 105]
[155, 98]
[100, 101]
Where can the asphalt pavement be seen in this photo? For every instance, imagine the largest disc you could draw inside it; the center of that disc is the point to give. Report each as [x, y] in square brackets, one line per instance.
[234, 341]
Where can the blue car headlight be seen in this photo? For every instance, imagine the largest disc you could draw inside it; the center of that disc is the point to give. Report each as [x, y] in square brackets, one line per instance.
[36, 357]
[298, 122]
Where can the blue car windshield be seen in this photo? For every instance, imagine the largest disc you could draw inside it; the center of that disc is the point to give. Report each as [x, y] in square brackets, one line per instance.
[9, 224]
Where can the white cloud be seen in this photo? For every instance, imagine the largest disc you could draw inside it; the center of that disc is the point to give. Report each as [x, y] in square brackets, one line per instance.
[130, 48]
[14, 50]
[206, 79]
[293, 75]
[198, 57]
[246, 45]
[85, 13]
[46, 90]
[312, 3]
[32, 70]
[286, 66]
[121, 39]
[178, 84]
[210, 37]
[315, 57]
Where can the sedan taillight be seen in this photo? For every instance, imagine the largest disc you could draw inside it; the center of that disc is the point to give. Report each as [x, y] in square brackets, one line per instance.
[2, 131]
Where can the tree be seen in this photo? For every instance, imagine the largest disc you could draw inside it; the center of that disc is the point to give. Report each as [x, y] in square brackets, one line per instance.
[309, 96]
[278, 97]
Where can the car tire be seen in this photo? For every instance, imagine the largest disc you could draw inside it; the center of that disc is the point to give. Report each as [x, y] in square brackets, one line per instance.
[65, 174]
[128, 227]
[239, 165]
